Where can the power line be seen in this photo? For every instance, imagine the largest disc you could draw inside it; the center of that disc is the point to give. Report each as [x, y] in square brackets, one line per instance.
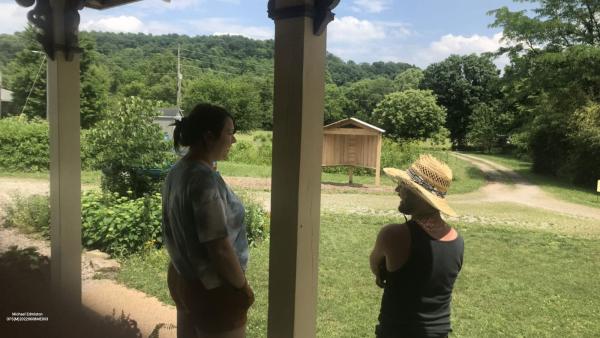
[33, 84]
[223, 72]
[257, 65]
[230, 68]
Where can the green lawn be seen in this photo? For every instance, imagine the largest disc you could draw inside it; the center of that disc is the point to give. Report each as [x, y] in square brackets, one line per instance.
[515, 282]
[467, 178]
[552, 185]
[91, 177]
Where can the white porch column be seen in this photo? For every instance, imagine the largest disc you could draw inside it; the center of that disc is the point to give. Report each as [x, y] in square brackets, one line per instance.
[65, 175]
[296, 177]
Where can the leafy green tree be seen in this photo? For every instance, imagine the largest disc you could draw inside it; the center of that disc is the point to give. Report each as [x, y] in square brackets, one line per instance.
[410, 114]
[95, 83]
[483, 127]
[238, 95]
[362, 97]
[460, 82]
[126, 142]
[552, 81]
[408, 79]
[335, 101]
[557, 24]
[10, 45]
[26, 76]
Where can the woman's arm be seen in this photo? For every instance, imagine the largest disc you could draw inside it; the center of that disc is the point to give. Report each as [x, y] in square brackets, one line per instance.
[226, 262]
[378, 253]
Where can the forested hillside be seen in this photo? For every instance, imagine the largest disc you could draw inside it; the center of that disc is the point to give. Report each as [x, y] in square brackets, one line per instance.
[233, 70]
[544, 106]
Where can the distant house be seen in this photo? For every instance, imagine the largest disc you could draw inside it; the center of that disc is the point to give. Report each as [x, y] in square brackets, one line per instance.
[167, 118]
[6, 97]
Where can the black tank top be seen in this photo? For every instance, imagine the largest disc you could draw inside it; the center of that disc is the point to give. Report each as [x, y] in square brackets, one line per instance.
[416, 298]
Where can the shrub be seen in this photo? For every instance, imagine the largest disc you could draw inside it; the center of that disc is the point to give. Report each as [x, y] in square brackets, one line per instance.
[256, 219]
[398, 155]
[243, 152]
[120, 225]
[258, 152]
[29, 214]
[126, 143]
[24, 144]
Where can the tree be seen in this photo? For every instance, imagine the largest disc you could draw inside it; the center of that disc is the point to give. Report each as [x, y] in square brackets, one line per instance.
[362, 97]
[95, 83]
[558, 24]
[460, 82]
[483, 126]
[408, 79]
[126, 142]
[411, 114]
[553, 81]
[239, 95]
[335, 102]
[26, 77]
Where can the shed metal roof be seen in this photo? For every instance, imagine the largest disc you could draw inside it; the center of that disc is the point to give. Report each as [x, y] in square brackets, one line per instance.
[355, 122]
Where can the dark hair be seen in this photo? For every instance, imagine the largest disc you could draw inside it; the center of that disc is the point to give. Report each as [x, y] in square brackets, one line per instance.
[205, 117]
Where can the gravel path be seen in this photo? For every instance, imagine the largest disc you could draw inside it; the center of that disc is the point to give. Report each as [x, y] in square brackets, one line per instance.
[504, 185]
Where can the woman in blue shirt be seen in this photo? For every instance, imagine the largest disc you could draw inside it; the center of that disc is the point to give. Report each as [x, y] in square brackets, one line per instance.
[203, 231]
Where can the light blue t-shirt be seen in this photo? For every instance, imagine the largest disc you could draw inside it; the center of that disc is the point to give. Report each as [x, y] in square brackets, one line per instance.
[199, 207]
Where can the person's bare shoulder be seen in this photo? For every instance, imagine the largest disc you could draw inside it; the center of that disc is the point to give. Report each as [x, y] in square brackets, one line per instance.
[394, 234]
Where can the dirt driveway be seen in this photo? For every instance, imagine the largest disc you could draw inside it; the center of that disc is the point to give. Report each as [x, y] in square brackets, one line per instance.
[504, 189]
[504, 185]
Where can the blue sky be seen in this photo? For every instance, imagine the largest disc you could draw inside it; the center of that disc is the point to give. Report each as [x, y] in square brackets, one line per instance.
[418, 32]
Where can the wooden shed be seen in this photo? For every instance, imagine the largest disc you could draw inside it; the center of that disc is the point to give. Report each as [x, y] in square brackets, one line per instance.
[353, 143]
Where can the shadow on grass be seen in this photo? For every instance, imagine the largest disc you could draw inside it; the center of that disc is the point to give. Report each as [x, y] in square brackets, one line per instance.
[25, 287]
[347, 185]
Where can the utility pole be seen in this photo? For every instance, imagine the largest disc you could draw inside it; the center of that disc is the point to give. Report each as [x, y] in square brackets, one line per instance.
[179, 78]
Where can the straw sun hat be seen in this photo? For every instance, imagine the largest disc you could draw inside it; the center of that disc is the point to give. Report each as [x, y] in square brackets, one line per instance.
[429, 178]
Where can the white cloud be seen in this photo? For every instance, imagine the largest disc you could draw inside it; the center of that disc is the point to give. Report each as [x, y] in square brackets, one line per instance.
[371, 6]
[115, 24]
[225, 26]
[13, 18]
[168, 5]
[458, 44]
[351, 30]
[363, 40]
[462, 45]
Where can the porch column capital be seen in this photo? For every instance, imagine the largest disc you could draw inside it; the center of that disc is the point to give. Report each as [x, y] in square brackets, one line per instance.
[320, 11]
[57, 23]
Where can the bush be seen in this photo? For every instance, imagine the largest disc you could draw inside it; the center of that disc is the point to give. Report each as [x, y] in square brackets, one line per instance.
[120, 225]
[125, 144]
[256, 219]
[258, 152]
[29, 214]
[24, 144]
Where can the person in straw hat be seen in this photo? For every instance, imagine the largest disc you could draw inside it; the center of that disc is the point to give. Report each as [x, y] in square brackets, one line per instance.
[417, 262]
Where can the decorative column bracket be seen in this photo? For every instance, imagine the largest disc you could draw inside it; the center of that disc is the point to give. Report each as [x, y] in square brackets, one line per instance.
[42, 18]
[320, 12]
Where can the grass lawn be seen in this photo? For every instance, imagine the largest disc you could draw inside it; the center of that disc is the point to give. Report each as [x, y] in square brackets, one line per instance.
[91, 177]
[467, 177]
[515, 282]
[552, 185]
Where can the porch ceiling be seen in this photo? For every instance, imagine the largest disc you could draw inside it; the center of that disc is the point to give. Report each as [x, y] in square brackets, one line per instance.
[104, 4]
